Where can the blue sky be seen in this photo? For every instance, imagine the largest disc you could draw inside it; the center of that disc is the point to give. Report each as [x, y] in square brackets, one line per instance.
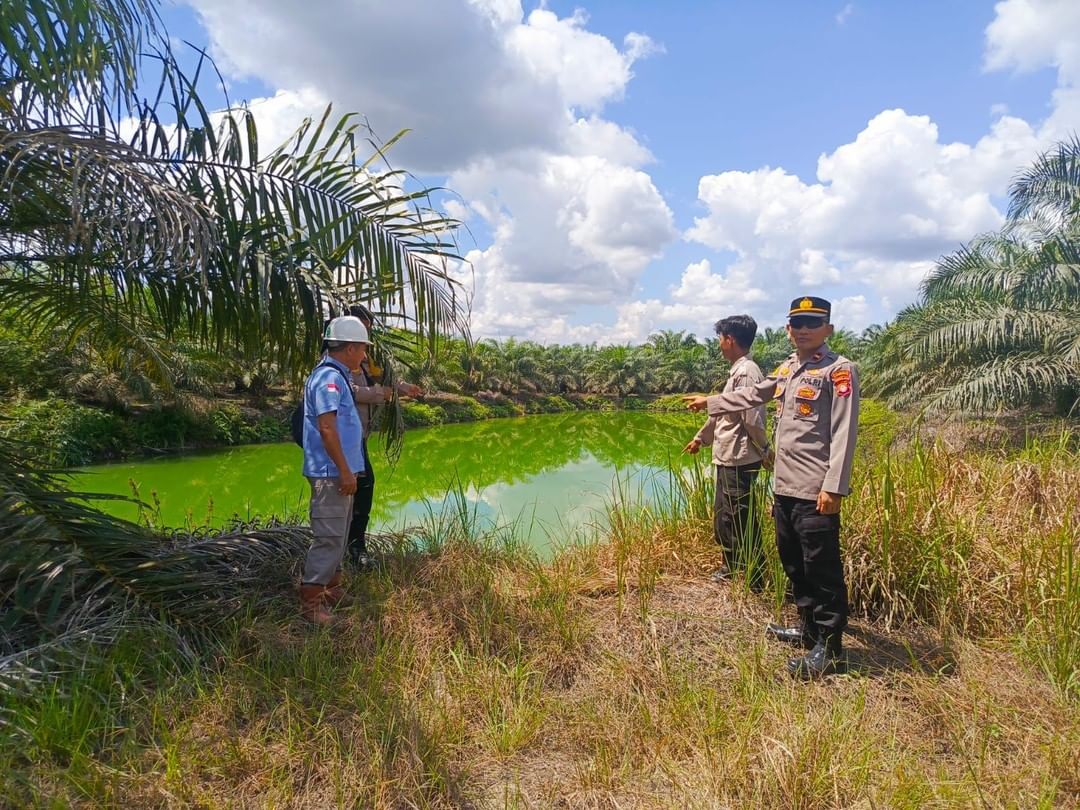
[631, 166]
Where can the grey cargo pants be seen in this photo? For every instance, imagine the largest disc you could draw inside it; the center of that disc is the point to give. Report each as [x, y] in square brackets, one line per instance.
[331, 514]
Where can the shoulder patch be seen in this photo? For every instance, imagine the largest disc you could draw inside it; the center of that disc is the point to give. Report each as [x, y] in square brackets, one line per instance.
[841, 380]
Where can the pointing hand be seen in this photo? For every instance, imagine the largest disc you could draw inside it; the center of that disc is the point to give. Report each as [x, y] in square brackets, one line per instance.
[696, 403]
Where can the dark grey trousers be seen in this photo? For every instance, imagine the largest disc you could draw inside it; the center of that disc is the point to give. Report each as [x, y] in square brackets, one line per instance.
[735, 520]
[809, 546]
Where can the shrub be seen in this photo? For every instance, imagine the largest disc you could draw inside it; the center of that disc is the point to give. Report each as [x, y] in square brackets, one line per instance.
[272, 429]
[548, 404]
[506, 407]
[417, 414]
[64, 433]
[557, 404]
[169, 427]
[463, 409]
[633, 403]
[668, 402]
[26, 362]
[594, 402]
[227, 426]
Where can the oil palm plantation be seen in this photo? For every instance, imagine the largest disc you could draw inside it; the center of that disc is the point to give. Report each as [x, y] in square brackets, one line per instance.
[998, 323]
[186, 228]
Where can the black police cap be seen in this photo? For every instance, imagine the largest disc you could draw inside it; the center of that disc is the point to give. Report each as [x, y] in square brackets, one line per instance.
[810, 305]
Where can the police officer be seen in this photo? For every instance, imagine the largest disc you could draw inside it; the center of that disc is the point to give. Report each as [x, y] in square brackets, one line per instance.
[817, 412]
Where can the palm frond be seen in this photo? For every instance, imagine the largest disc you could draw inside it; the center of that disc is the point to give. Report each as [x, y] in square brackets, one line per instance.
[66, 59]
[1050, 186]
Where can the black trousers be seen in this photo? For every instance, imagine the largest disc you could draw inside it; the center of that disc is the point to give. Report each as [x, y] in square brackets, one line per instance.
[809, 546]
[735, 520]
[365, 492]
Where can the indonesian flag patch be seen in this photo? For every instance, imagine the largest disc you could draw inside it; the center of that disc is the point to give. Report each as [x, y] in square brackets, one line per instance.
[332, 386]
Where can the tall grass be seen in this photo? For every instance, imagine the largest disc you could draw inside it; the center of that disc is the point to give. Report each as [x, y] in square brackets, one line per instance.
[983, 545]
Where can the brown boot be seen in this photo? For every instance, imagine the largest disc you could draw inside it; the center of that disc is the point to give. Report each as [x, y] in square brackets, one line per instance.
[334, 592]
[313, 604]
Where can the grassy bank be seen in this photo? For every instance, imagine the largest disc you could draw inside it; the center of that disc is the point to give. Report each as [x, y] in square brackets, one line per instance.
[470, 673]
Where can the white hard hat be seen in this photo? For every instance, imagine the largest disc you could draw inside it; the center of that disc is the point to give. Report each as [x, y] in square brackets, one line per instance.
[346, 329]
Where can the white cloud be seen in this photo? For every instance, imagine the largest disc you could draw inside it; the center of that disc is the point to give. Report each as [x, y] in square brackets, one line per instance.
[510, 107]
[569, 231]
[883, 208]
[472, 78]
[852, 312]
[845, 13]
[1028, 35]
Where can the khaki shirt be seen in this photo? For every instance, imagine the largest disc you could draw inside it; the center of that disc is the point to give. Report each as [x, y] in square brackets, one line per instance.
[368, 397]
[738, 438]
[817, 417]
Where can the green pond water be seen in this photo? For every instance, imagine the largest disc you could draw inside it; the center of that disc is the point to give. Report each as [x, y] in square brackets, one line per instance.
[549, 475]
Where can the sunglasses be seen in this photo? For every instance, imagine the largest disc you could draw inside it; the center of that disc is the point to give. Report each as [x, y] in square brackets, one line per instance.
[806, 322]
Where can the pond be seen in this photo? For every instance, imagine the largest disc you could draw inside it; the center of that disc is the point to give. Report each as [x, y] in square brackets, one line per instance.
[548, 475]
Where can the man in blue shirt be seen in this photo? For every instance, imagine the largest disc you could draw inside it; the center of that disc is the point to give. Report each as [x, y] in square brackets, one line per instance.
[333, 458]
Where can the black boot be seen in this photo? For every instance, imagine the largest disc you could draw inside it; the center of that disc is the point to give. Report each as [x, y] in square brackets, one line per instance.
[827, 658]
[721, 574]
[805, 635]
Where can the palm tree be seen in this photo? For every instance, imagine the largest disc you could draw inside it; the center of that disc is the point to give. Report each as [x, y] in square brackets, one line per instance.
[685, 369]
[523, 366]
[567, 367]
[189, 230]
[847, 343]
[667, 341]
[997, 324]
[620, 370]
[771, 348]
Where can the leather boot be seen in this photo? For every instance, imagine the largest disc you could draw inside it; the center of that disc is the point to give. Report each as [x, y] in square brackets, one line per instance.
[827, 658]
[805, 635]
[334, 592]
[313, 604]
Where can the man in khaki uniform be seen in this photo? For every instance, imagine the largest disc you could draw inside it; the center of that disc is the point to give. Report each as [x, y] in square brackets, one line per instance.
[817, 412]
[739, 447]
[368, 390]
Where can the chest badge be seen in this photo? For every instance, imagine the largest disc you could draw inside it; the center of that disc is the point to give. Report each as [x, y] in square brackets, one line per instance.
[815, 372]
[805, 408]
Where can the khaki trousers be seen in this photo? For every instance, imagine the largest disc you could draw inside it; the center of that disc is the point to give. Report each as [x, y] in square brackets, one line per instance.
[331, 514]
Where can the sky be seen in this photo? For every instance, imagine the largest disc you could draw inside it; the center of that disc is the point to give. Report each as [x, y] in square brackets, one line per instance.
[626, 166]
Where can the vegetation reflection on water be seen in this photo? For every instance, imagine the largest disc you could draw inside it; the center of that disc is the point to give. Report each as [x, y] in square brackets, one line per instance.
[550, 476]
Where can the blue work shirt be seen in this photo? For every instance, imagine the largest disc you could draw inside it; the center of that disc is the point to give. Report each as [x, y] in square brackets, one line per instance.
[325, 391]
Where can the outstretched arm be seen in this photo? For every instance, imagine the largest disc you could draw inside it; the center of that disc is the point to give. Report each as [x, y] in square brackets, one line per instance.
[734, 401]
